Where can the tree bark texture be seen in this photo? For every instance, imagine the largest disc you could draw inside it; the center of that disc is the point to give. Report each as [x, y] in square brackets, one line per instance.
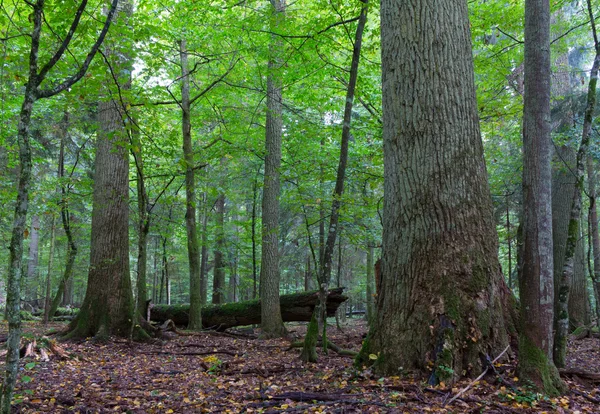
[271, 322]
[295, 307]
[442, 299]
[193, 249]
[108, 306]
[537, 282]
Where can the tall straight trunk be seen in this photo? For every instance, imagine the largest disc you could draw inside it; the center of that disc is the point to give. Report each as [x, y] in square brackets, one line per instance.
[47, 300]
[34, 258]
[195, 323]
[537, 282]
[66, 222]
[204, 250]
[253, 224]
[108, 307]
[143, 225]
[271, 320]
[562, 317]
[579, 300]
[155, 279]
[593, 235]
[325, 264]
[218, 294]
[443, 302]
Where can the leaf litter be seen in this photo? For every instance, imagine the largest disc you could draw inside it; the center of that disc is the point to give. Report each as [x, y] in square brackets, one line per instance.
[235, 372]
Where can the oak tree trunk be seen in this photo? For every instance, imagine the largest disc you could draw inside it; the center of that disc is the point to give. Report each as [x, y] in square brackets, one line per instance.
[271, 322]
[443, 300]
[108, 306]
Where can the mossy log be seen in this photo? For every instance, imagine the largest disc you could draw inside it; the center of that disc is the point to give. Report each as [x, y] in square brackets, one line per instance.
[294, 308]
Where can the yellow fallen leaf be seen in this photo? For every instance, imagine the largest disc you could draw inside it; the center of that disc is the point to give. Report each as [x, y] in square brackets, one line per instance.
[372, 357]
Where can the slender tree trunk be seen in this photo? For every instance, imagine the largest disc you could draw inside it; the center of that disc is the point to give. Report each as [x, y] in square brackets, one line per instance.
[218, 295]
[66, 222]
[195, 323]
[537, 281]
[34, 258]
[562, 317]
[143, 225]
[253, 218]
[271, 321]
[47, 300]
[326, 259]
[593, 235]
[579, 301]
[443, 302]
[204, 250]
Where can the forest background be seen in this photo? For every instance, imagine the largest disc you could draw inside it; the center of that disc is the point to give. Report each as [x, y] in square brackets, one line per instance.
[229, 45]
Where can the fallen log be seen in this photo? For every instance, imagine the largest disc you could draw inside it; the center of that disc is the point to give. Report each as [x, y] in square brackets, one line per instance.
[296, 307]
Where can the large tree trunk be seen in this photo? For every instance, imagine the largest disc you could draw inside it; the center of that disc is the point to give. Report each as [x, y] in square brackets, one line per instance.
[295, 307]
[195, 323]
[537, 282]
[442, 299]
[271, 322]
[108, 306]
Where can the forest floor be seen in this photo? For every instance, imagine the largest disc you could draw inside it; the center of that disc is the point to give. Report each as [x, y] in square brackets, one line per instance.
[212, 372]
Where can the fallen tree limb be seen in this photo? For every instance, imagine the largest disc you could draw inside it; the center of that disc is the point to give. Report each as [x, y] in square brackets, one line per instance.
[294, 308]
[591, 376]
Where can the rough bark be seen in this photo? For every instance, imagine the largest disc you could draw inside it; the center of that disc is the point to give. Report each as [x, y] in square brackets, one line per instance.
[108, 306]
[294, 307]
[271, 322]
[443, 297]
[537, 283]
[195, 322]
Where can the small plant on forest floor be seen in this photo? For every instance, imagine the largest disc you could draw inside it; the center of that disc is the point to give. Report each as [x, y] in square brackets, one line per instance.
[214, 364]
[527, 396]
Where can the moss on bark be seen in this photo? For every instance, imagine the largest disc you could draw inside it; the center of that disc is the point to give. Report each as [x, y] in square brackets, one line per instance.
[535, 367]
